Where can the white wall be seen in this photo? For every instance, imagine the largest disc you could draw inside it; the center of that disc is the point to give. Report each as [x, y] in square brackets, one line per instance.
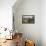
[31, 31]
[43, 22]
[6, 13]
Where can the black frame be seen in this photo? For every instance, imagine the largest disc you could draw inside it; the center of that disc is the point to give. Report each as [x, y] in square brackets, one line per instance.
[28, 19]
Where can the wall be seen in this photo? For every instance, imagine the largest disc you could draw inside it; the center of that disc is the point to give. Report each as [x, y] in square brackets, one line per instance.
[6, 13]
[43, 22]
[30, 31]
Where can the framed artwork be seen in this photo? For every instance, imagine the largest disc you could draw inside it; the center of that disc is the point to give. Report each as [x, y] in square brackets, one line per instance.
[28, 19]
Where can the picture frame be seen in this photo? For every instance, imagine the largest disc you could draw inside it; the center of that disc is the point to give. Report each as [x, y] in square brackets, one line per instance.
[28, 19]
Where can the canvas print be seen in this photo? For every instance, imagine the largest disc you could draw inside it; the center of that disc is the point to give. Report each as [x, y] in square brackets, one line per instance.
[28, 19]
